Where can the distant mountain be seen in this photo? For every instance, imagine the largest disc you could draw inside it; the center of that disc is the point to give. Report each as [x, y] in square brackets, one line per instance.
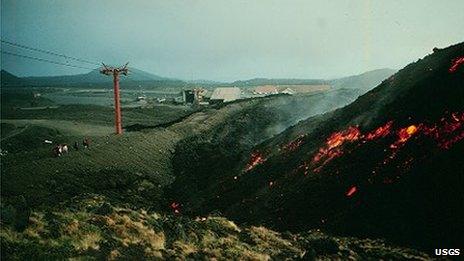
[365, 81]
[266, 81]
[92, 77]
[205, 82]
[139, 75]
[8, 79]
[86, 79]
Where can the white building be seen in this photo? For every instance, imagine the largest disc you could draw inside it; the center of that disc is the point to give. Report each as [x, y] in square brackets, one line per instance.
[225, 94]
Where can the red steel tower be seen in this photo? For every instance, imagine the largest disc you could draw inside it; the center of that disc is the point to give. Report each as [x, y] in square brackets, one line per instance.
[117, 103]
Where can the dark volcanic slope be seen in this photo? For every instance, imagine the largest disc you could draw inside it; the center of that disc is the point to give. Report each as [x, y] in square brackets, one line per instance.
[388, 165]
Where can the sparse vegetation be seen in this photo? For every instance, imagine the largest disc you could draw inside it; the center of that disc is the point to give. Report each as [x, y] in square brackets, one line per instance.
[79, 229]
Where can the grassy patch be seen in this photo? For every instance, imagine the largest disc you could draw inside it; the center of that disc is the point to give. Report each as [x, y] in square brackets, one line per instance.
[78, 229]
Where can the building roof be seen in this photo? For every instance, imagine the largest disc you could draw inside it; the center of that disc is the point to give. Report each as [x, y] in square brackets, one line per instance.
[288, 91]
[226, 94]
[265, 89]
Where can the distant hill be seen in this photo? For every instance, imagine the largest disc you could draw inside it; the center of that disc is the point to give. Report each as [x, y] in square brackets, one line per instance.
[136, 77]
[93, 77]
[365, 81]
[266, 81]
[85, 79]
[205, 82]
[7, 79]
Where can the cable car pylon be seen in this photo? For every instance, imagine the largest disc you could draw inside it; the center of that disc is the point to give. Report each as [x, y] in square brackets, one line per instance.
[116, 71]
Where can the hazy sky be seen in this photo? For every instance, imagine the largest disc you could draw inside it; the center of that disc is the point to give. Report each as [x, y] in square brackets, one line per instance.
[229, 40]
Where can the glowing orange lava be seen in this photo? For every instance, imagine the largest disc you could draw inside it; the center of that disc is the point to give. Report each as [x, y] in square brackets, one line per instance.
[445, 133]
[338, 138]
[175, 207]
[330, 150]
[351, 191]
[380, 132]
[404, 135]
[295, 144]
[255, 159]
[456, 63]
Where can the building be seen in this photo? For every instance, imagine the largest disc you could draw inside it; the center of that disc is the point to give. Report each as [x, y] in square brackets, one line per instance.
[196, 95]
[188, 96]
[141, 98]
[288, 91]
[225, 94]
[266, 90]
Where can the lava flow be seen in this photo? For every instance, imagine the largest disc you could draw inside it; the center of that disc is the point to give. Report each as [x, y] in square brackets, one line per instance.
[337, 139]
[255, 159]
[456, 63]
[380, 132]
[351, 191]
[175, 207]
[445, 133]
[404, 135]
[295, 144]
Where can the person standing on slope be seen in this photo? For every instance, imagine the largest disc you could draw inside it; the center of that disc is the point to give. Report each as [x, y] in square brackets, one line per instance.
[86, 143]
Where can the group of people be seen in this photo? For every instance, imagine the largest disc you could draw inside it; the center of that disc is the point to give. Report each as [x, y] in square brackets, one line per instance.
[61, 149]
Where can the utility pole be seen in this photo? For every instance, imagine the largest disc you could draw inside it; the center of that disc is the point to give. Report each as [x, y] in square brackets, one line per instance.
[115, 71]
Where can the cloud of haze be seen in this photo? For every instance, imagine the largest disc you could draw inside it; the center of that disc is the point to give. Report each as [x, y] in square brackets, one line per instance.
[230, 40]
